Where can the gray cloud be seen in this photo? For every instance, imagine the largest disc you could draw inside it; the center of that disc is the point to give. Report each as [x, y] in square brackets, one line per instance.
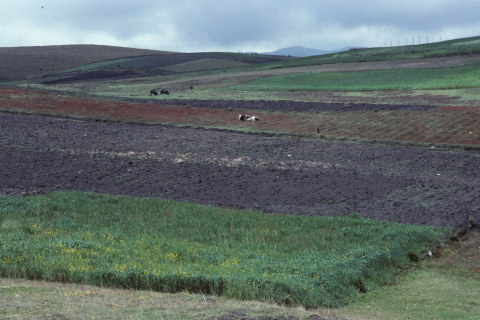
[232, 25]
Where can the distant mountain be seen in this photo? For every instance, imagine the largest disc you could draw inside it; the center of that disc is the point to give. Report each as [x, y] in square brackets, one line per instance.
[305, 52]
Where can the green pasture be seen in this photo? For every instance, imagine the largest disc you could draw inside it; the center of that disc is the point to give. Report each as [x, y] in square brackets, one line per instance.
[439, 288]
[158, 245]
[406, 79]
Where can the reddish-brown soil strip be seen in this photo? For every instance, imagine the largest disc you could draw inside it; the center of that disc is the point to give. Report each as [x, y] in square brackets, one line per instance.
[452, 125]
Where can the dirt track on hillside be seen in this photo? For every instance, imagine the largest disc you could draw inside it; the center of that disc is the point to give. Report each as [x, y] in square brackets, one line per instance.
[40, 154]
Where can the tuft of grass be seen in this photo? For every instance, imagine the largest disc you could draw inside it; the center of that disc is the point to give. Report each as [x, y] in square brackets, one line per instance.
[151, 244]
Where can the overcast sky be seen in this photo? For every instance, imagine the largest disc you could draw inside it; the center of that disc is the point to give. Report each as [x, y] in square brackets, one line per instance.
[235, 25]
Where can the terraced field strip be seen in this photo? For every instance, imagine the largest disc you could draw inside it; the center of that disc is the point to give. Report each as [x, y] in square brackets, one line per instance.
[452, 125]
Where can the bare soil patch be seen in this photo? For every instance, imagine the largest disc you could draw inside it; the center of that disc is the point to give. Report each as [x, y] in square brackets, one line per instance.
[284, 105]
[41, 154]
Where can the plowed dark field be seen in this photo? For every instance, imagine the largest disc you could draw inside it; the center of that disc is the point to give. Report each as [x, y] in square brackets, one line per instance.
[286, 106]
[39, 154]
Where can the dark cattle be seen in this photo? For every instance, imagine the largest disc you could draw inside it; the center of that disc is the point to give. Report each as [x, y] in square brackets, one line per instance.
[154, 92]
[164, 92]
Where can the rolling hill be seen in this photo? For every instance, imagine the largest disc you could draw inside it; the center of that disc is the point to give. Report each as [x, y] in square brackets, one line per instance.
[55, 64]
[41, 60]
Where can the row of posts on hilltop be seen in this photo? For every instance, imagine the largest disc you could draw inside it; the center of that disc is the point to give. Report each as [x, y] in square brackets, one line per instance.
[413, 41]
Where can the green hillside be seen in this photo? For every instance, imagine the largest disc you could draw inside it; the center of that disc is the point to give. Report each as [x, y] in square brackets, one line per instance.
[406, 79]
[455, 47]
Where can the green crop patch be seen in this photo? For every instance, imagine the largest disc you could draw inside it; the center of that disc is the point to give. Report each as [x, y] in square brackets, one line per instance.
[407, 79]
[152, 244]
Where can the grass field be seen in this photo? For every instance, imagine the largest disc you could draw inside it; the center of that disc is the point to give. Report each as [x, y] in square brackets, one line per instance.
[150, 244]
[62, 225]
[408, 79]
[444, 287]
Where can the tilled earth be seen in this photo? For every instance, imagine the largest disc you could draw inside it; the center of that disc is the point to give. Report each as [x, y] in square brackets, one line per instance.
[285, 105]
[274, 174]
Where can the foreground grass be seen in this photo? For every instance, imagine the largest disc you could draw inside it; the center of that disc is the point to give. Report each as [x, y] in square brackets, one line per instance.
[23, 299]
[445, 287]
[150, 244]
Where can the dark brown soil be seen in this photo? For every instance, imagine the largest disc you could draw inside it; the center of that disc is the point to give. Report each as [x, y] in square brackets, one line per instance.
[274, 174]
[284, 105]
